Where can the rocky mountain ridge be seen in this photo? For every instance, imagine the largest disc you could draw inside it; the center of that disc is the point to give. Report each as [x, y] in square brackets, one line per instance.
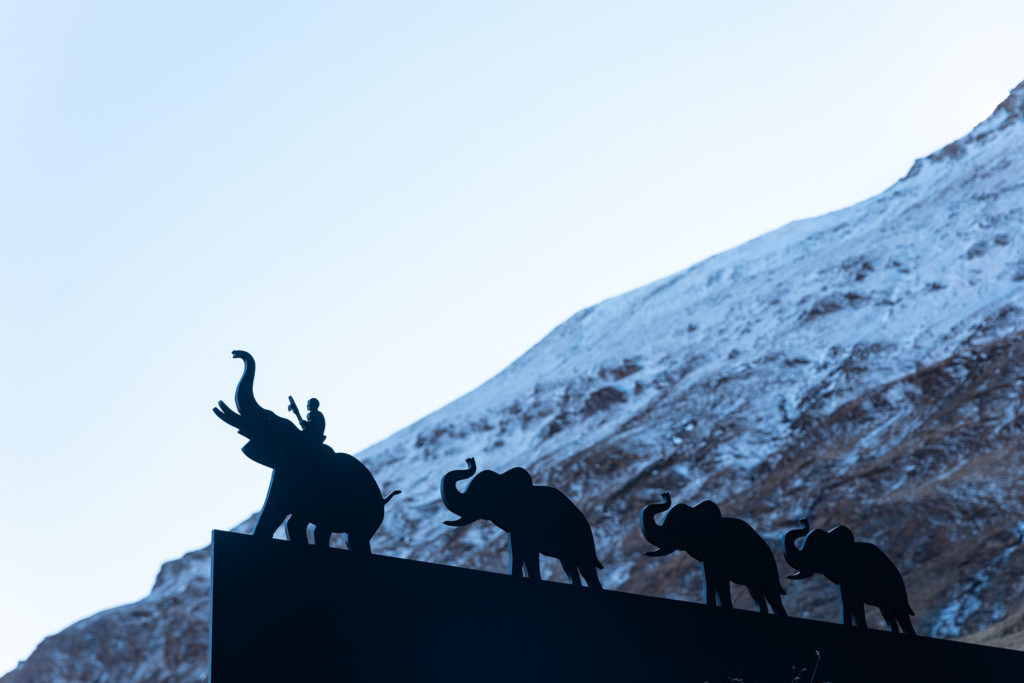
[862, 368]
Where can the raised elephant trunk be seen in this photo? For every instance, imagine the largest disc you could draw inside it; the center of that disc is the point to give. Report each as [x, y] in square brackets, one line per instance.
[245, 401]
[454, 499]
[654, 532]
[793, 555]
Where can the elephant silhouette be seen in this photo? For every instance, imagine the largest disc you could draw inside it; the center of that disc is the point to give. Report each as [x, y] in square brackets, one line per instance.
[333, 491]
[728, 550]
[539, 520]
[864, 574]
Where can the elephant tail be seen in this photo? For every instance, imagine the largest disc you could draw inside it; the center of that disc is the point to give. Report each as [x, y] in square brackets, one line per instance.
[597, 563]
[391, 495]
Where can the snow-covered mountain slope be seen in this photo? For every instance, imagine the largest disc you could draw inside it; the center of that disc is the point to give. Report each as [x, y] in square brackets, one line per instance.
[862, 368]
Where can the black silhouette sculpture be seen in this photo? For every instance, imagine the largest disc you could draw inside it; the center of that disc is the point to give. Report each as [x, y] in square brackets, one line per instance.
[864, 574]
[539, 520]
[727, 548]
[333, 491]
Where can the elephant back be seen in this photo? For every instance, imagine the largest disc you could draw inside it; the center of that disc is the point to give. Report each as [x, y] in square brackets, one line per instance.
[882, 582]
[562, 530]
[337, 491]
[347, 475]
[751, 558]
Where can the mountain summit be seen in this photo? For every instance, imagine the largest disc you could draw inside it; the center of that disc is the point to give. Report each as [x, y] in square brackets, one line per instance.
[863, 368]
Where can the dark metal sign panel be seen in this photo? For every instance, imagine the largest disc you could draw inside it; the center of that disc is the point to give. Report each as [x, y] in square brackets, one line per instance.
[284, 611]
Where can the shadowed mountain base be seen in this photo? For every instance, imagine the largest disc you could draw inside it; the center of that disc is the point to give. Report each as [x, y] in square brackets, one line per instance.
[283, 611]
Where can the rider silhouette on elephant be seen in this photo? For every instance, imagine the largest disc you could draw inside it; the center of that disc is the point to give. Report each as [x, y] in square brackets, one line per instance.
[314, 425]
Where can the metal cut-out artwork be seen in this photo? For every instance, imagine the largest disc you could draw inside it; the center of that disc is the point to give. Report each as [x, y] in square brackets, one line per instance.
[728, 550]
[311, 484]
[539, 520]
[864, 574]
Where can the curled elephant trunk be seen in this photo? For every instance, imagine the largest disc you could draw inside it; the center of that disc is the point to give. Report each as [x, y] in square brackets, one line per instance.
[795, 556]
[245, 401]
[455, 500]
[654, 532]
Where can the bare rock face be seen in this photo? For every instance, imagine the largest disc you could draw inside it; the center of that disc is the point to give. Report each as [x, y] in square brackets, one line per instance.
[863, 368]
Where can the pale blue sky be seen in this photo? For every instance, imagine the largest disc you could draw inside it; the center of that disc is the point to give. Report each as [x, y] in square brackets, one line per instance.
[386, 205]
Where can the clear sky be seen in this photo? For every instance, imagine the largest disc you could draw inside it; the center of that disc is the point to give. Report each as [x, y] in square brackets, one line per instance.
[386, 203]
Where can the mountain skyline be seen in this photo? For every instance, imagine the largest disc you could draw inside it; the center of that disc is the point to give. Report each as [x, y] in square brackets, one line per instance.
[387, 205]
[887, 336]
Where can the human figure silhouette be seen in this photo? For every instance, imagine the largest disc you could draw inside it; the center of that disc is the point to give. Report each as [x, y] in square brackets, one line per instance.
[314, 425]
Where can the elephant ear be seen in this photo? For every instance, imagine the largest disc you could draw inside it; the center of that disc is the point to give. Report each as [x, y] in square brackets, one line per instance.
[707, 511]
[517, 479]
[486, 482]
[498, 494]
[841, 536]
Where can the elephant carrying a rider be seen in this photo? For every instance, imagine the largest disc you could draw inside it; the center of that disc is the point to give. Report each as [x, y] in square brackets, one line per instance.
[311, 483]
[539, 520]
[728, 549]
[864, 574]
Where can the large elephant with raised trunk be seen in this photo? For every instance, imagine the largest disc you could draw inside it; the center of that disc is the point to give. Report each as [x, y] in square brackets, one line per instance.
[728, 549]
[333, 491]
[539, 520]
[864, 574]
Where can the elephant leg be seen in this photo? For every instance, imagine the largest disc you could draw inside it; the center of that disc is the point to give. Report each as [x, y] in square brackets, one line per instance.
[859, 618]
[275, 508]
[589, 572]
[532, 562]
[709, 587]
[268, 522]
[715, 586]
[322, 536]
[904, 620]
[571, 572]
[515, 558]
[845, 613]
[890, 619]
[853, 609]
[295, 530]
[724, 594]
[758, 596]
[775, 600]
[358, 543]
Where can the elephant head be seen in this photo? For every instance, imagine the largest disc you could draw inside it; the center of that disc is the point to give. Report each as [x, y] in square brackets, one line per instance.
[684, 528]
[271, 437]
[490, 496]
[822, 552]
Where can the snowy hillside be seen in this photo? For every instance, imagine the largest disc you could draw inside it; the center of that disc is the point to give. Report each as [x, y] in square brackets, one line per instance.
[863, 367]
